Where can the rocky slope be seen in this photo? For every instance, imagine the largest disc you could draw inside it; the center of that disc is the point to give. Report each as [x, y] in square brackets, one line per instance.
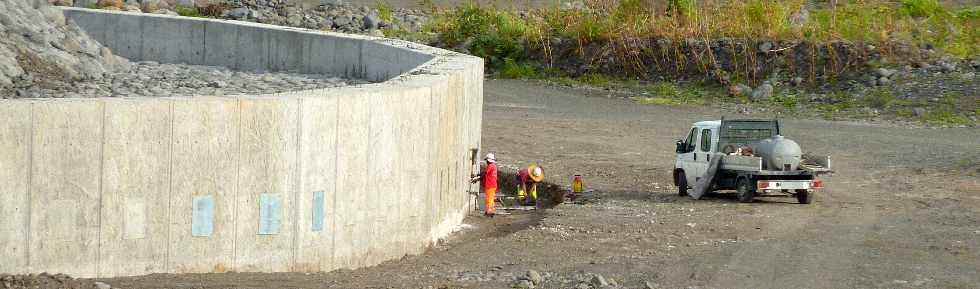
[38, 48]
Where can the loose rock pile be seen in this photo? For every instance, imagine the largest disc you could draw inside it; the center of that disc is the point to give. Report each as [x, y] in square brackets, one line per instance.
[45, 281]
[328, 15]
[155, 80]
[42, 55]
[39, 48]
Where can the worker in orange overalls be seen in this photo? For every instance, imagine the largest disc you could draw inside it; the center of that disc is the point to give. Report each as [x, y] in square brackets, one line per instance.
[489, 178]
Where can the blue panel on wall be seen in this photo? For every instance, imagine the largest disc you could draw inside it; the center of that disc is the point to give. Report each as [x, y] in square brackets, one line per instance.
[317, 211]
[270, 214]
[202, 224]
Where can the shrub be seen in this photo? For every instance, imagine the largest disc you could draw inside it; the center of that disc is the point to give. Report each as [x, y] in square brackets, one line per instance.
[880, 98]
[385, 12]
[513, 69]
[921, 8]
[189, 11]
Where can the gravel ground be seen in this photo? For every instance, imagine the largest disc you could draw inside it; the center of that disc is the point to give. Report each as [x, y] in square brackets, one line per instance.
[899, 213]
[154, 79]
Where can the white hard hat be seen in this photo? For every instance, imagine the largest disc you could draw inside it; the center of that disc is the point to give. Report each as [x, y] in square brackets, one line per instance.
[490, 158]
[536, 172]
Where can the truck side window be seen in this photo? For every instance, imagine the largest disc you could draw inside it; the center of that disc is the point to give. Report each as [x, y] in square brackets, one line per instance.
[690, 140]
[706, 140]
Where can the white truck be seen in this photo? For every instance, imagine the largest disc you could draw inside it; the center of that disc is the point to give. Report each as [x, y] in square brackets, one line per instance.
[748, 156]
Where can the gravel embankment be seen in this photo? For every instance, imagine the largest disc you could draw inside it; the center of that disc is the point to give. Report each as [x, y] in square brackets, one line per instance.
[151, 79]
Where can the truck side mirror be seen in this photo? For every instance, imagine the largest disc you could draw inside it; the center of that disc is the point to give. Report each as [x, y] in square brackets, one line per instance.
[680, 147]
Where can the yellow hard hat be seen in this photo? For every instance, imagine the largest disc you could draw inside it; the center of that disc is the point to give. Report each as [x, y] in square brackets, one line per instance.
[535, 172]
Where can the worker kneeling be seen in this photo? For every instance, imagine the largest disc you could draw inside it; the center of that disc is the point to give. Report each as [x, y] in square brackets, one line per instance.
[527, 182]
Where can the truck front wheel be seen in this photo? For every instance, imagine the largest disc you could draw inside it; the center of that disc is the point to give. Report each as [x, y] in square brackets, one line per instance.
[681, 182]
[744, 190]
[804, 196]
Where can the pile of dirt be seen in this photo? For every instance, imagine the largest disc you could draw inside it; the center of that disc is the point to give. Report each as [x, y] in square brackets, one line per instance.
[45, 280]
[39, 47]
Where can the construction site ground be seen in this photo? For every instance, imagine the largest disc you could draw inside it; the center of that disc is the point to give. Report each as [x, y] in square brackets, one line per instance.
[901, 211]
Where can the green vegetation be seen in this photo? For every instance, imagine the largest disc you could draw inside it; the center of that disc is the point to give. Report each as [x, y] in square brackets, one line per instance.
[385, 11]
[786, 101]
[921, 8]
[879, 98]
[189, 11]
[667, 93]
[945, 118]
[513, 69]
[491, 34]
[498, 34]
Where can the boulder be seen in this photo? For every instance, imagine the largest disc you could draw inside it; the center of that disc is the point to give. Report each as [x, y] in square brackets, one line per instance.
[372, 21]
[149, 6]
[598, 281]
[947, 66]
[68, 3]
[237, 13]
[763, 92]
[341, 20]
[765, 47]
[885, 72]
[534, 277]
[523, 284]
[110, 3]
[738, 89]
[882, 81]
[796, 81]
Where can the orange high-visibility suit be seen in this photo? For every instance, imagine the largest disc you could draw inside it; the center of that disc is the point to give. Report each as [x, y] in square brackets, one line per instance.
[490, 187]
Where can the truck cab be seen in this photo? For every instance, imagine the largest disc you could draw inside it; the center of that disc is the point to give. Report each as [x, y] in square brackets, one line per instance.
[694, 151]
[730, 144]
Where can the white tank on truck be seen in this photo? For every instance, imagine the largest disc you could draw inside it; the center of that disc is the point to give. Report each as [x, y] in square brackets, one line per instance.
[778, 153]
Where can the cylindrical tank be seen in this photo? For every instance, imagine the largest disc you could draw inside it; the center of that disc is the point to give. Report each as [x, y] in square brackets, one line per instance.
[778, 153]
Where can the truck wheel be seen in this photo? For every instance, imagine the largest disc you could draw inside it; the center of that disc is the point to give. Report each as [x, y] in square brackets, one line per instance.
[804, 196]
[681, 182]
[745, 192]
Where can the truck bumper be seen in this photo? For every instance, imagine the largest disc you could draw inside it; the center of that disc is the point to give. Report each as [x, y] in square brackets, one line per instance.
[789, 184]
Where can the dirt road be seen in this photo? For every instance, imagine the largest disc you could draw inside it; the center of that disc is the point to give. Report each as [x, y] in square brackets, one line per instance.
[902, 211]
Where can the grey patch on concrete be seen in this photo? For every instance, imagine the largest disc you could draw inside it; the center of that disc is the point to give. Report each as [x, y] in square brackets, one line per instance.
[203, 218]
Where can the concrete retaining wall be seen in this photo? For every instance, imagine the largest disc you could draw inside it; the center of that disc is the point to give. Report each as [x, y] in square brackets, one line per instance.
[301, 181]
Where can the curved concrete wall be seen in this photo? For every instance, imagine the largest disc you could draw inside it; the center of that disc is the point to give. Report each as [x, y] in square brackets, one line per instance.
[302, 181]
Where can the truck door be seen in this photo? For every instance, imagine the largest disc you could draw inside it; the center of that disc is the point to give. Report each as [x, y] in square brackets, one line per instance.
[685, 158]
[702, 153]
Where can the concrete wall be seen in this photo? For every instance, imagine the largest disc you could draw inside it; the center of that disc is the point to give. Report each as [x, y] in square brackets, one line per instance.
[247, 46]
[302, 181]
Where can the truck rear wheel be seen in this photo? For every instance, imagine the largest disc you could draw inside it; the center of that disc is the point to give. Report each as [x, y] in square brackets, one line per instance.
[804, 196]
[744, 190]
[681, 182]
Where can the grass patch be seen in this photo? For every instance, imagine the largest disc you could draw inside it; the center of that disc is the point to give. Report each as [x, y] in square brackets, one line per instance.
[879, 98]
[188, 11]
[513, 69]
[945, 118]
[666, 93]
[385, 11]
[786, 101]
